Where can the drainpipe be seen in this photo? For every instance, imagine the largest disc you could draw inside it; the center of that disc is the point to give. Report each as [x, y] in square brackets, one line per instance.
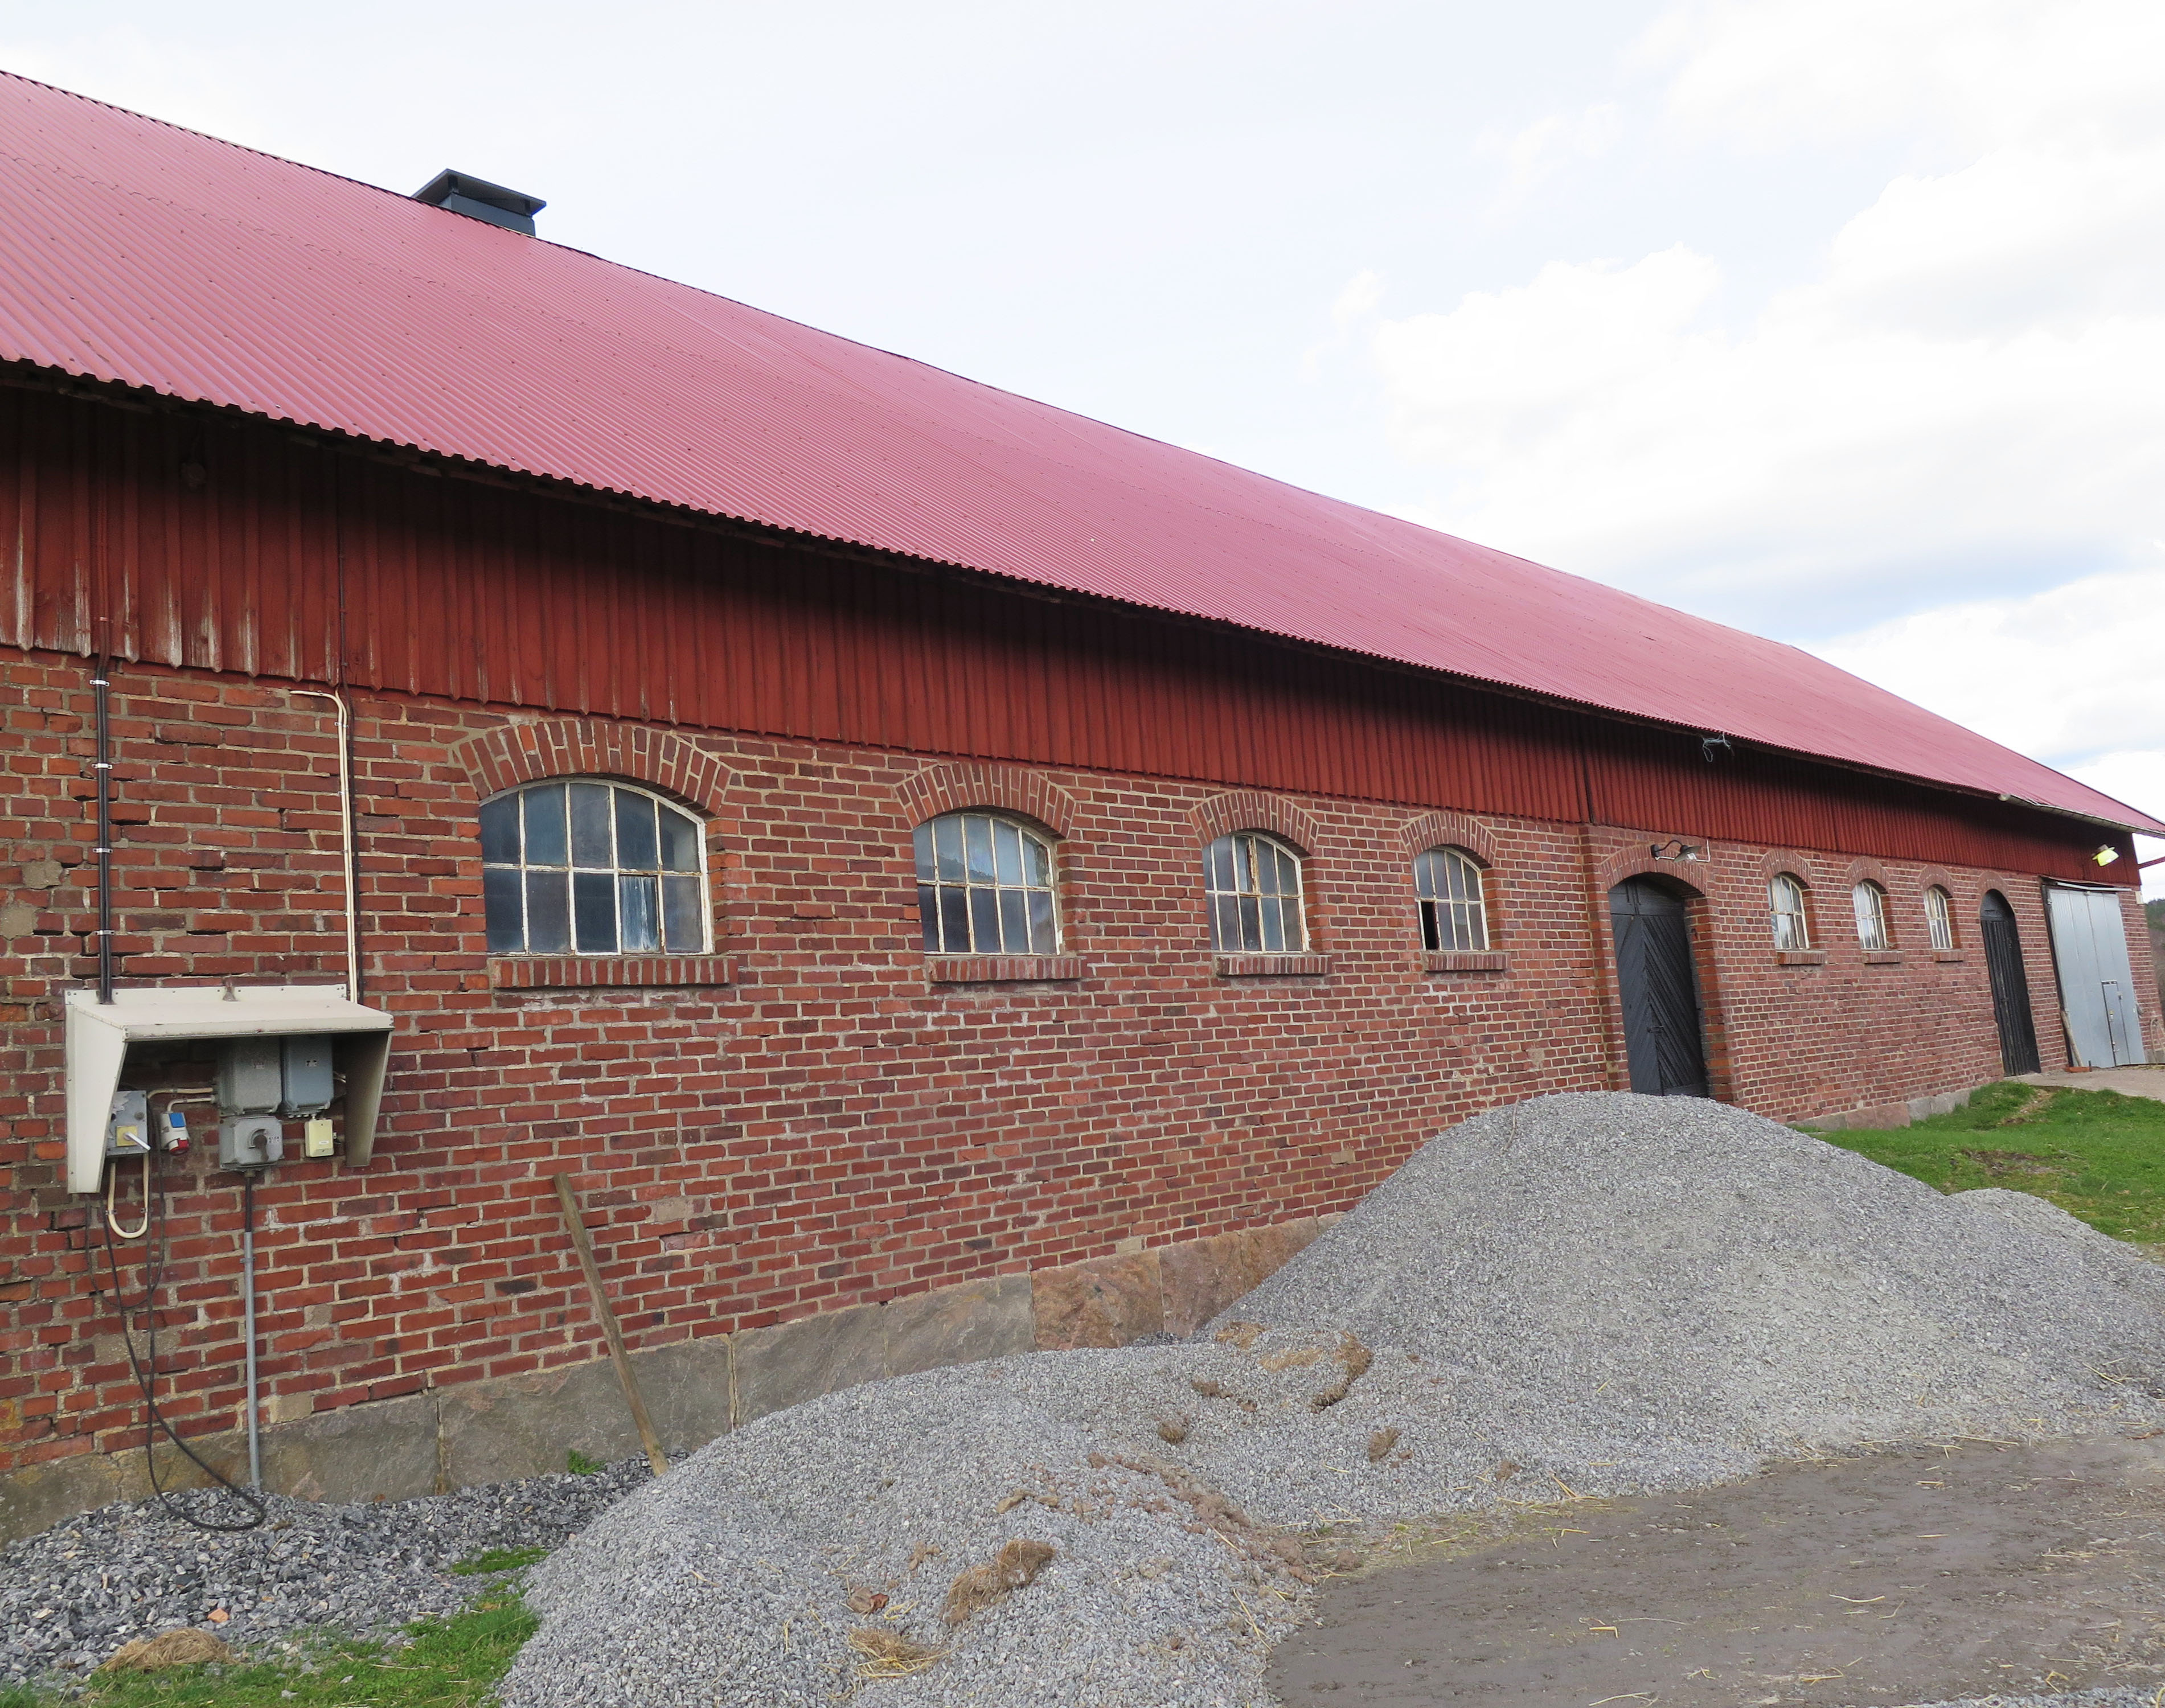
[100, 687]
[346, 833]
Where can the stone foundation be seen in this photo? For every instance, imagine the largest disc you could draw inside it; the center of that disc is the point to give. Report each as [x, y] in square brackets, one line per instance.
[489, 1432]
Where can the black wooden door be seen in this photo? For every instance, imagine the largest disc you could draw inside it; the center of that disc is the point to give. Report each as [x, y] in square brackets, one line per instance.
[2010, 985]
[1655, 977]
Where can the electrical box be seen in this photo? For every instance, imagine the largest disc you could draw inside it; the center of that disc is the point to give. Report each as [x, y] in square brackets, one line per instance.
[316, 1138]
[306, 1074]
[252, 1080]
[250, 1142]
[128, 1129]
[251, 1076]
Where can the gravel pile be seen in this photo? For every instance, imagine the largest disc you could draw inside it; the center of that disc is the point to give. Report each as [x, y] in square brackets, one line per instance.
[1592, 1293]
[70, 1596]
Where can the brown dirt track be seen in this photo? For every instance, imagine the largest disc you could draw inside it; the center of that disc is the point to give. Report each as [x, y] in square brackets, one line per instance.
[1898, 1577]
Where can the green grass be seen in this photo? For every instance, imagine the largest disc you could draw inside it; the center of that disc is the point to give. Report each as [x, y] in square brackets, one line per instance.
[498, 1559]
[2097, 1154]
[579, 1466]
[451, 1663]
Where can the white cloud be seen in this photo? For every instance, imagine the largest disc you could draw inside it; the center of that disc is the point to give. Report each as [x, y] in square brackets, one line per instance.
[1549, 143]
[1357, 301]
[1975, 73]
[2070, 674]
[1962, 399]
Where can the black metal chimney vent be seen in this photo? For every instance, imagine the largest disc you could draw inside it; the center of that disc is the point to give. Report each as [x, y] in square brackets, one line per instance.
[479, 199]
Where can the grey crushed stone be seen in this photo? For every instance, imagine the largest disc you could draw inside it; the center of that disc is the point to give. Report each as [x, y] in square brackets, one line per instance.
[1589, 1294]
[72, 1595]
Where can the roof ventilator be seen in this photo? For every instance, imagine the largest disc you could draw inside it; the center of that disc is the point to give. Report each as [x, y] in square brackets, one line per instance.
[479, 199]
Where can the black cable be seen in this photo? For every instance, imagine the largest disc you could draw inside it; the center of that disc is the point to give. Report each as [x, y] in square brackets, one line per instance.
[154, 1254]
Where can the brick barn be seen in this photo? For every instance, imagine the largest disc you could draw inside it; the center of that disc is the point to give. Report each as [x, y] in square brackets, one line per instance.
[941, 874]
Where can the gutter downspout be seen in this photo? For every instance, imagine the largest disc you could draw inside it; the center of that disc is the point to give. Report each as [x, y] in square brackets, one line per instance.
[346, 833]
[101, 689]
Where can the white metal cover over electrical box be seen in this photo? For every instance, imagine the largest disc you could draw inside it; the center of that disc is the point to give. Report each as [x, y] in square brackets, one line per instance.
[98, 1035]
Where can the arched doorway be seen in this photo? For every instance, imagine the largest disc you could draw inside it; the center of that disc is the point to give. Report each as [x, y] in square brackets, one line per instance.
[2011, 985]
[1664, 1039]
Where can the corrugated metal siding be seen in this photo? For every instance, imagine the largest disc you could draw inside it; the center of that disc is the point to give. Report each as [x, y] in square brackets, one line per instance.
[449, 587]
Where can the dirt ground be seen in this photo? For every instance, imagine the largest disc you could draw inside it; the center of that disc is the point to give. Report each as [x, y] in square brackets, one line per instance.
[1901, 1577]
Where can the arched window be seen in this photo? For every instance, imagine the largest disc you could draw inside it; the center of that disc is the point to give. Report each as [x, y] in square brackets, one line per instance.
[984, 886]
[1871, 902]
[1253, 882]
[592, 868]
[1785, 904]
[1453, 913]
[1939, 918]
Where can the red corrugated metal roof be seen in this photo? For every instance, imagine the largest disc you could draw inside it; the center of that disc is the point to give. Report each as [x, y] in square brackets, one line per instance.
[132, 250]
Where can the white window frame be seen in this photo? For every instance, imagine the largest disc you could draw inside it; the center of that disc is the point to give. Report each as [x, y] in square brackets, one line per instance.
[644, 899]
[1868, 901]
[1454, 900]
[1939, 917]
[1250, 877]
[1792, 925]
[986, 884]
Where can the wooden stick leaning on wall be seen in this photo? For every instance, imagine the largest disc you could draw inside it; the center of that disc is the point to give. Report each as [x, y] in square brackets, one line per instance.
[575, 1222]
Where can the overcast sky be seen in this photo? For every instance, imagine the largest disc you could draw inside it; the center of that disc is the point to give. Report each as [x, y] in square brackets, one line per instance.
[1839, 320]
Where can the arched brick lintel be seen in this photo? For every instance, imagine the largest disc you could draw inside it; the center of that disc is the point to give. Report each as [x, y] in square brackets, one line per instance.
[959, 786]
[1636, 864]
[1794, 861]
[1449, 830]
[1251, 809]
[577, 747]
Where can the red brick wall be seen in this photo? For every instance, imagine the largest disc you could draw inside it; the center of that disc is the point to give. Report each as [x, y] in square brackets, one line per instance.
[833, 1126]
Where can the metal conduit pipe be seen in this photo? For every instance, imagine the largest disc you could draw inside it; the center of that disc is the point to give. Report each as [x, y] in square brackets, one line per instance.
[346, 833]
[100, 691]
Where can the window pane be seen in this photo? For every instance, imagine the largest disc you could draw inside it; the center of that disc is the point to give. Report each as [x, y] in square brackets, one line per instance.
[499, 890]
[544, 825]
[1037, 858]
[985, 921]
[642, 915]
[1274, 929]
[548, 913]
[1224, 923]
[947, 835]
[1431, 934]
[1015, 923]
[1288, 883]
[636, 849]
[590, 828]
[1217, 867]
[926, 871]
[1477, 925]
[680, 841]
[1250, 934]
[928, 917]
[1043, 940]
[499, 831]
[955, 919]
[1425, 877]
[977, 847]
[1007, 852]
[1296, 938]
[681, 927]
[593, 904]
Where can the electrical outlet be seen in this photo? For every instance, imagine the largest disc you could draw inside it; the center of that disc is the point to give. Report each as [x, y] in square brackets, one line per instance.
[250, 1142]
[127, 1127]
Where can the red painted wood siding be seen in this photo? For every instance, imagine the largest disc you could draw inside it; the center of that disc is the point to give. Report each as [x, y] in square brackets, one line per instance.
[235, 545]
